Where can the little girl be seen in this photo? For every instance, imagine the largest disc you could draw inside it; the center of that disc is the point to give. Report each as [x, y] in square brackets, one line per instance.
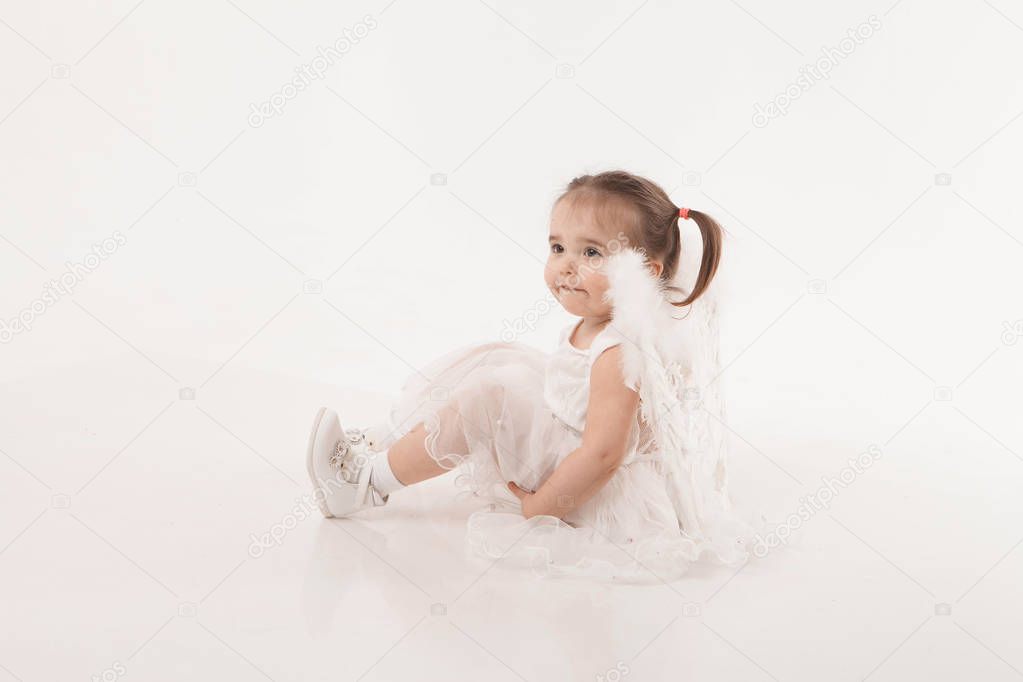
[602, 458]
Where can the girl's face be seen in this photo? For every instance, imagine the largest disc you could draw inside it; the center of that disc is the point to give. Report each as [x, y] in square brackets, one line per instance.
[579, 249]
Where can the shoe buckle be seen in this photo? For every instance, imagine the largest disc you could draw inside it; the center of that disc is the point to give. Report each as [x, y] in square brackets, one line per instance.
[337, 458]
[347, 452]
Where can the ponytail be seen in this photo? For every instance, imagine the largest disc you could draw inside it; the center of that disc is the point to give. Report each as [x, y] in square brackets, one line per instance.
[711, 235]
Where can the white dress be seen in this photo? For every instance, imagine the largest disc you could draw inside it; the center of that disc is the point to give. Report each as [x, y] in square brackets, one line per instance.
[504, 412]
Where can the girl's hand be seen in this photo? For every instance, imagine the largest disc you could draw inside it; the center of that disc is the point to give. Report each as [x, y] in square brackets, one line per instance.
[524, 497]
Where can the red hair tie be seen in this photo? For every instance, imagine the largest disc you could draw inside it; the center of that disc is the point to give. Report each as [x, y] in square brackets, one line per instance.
[683, 213]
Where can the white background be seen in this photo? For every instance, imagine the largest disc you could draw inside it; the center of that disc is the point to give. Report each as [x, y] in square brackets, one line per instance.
[310, 260]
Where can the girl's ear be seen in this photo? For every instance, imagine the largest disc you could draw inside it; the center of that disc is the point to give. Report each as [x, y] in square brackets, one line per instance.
[655, 268]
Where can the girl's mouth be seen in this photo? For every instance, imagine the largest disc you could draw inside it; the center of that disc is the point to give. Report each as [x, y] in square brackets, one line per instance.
[564, 290]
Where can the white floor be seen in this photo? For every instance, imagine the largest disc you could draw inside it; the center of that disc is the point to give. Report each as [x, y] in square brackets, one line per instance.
[142, 554]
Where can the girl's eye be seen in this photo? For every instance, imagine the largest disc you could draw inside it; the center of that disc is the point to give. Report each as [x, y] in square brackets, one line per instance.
[555, 248]
[594, 253]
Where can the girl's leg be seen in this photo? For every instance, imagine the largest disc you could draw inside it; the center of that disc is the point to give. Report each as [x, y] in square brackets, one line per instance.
[409, 460]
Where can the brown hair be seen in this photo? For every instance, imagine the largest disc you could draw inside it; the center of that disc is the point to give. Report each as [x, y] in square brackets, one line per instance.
[654, 222]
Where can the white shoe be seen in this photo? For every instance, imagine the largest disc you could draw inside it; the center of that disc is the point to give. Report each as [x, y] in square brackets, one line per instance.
[339, 464]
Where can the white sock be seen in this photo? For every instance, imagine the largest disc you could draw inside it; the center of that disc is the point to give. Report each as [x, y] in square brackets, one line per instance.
[382, 477]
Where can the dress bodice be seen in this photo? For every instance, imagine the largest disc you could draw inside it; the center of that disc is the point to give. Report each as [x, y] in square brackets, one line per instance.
[567, 384]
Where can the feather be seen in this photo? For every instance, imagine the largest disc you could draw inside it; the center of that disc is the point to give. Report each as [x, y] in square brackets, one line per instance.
[672, 359]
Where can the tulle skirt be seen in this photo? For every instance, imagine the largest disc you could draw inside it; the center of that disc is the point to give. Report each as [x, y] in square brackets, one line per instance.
[484, 414]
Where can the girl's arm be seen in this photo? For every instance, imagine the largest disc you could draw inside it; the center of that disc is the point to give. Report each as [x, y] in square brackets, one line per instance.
[610, 414]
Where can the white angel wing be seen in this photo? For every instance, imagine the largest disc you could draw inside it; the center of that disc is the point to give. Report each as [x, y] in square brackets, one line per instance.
[673, 358]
